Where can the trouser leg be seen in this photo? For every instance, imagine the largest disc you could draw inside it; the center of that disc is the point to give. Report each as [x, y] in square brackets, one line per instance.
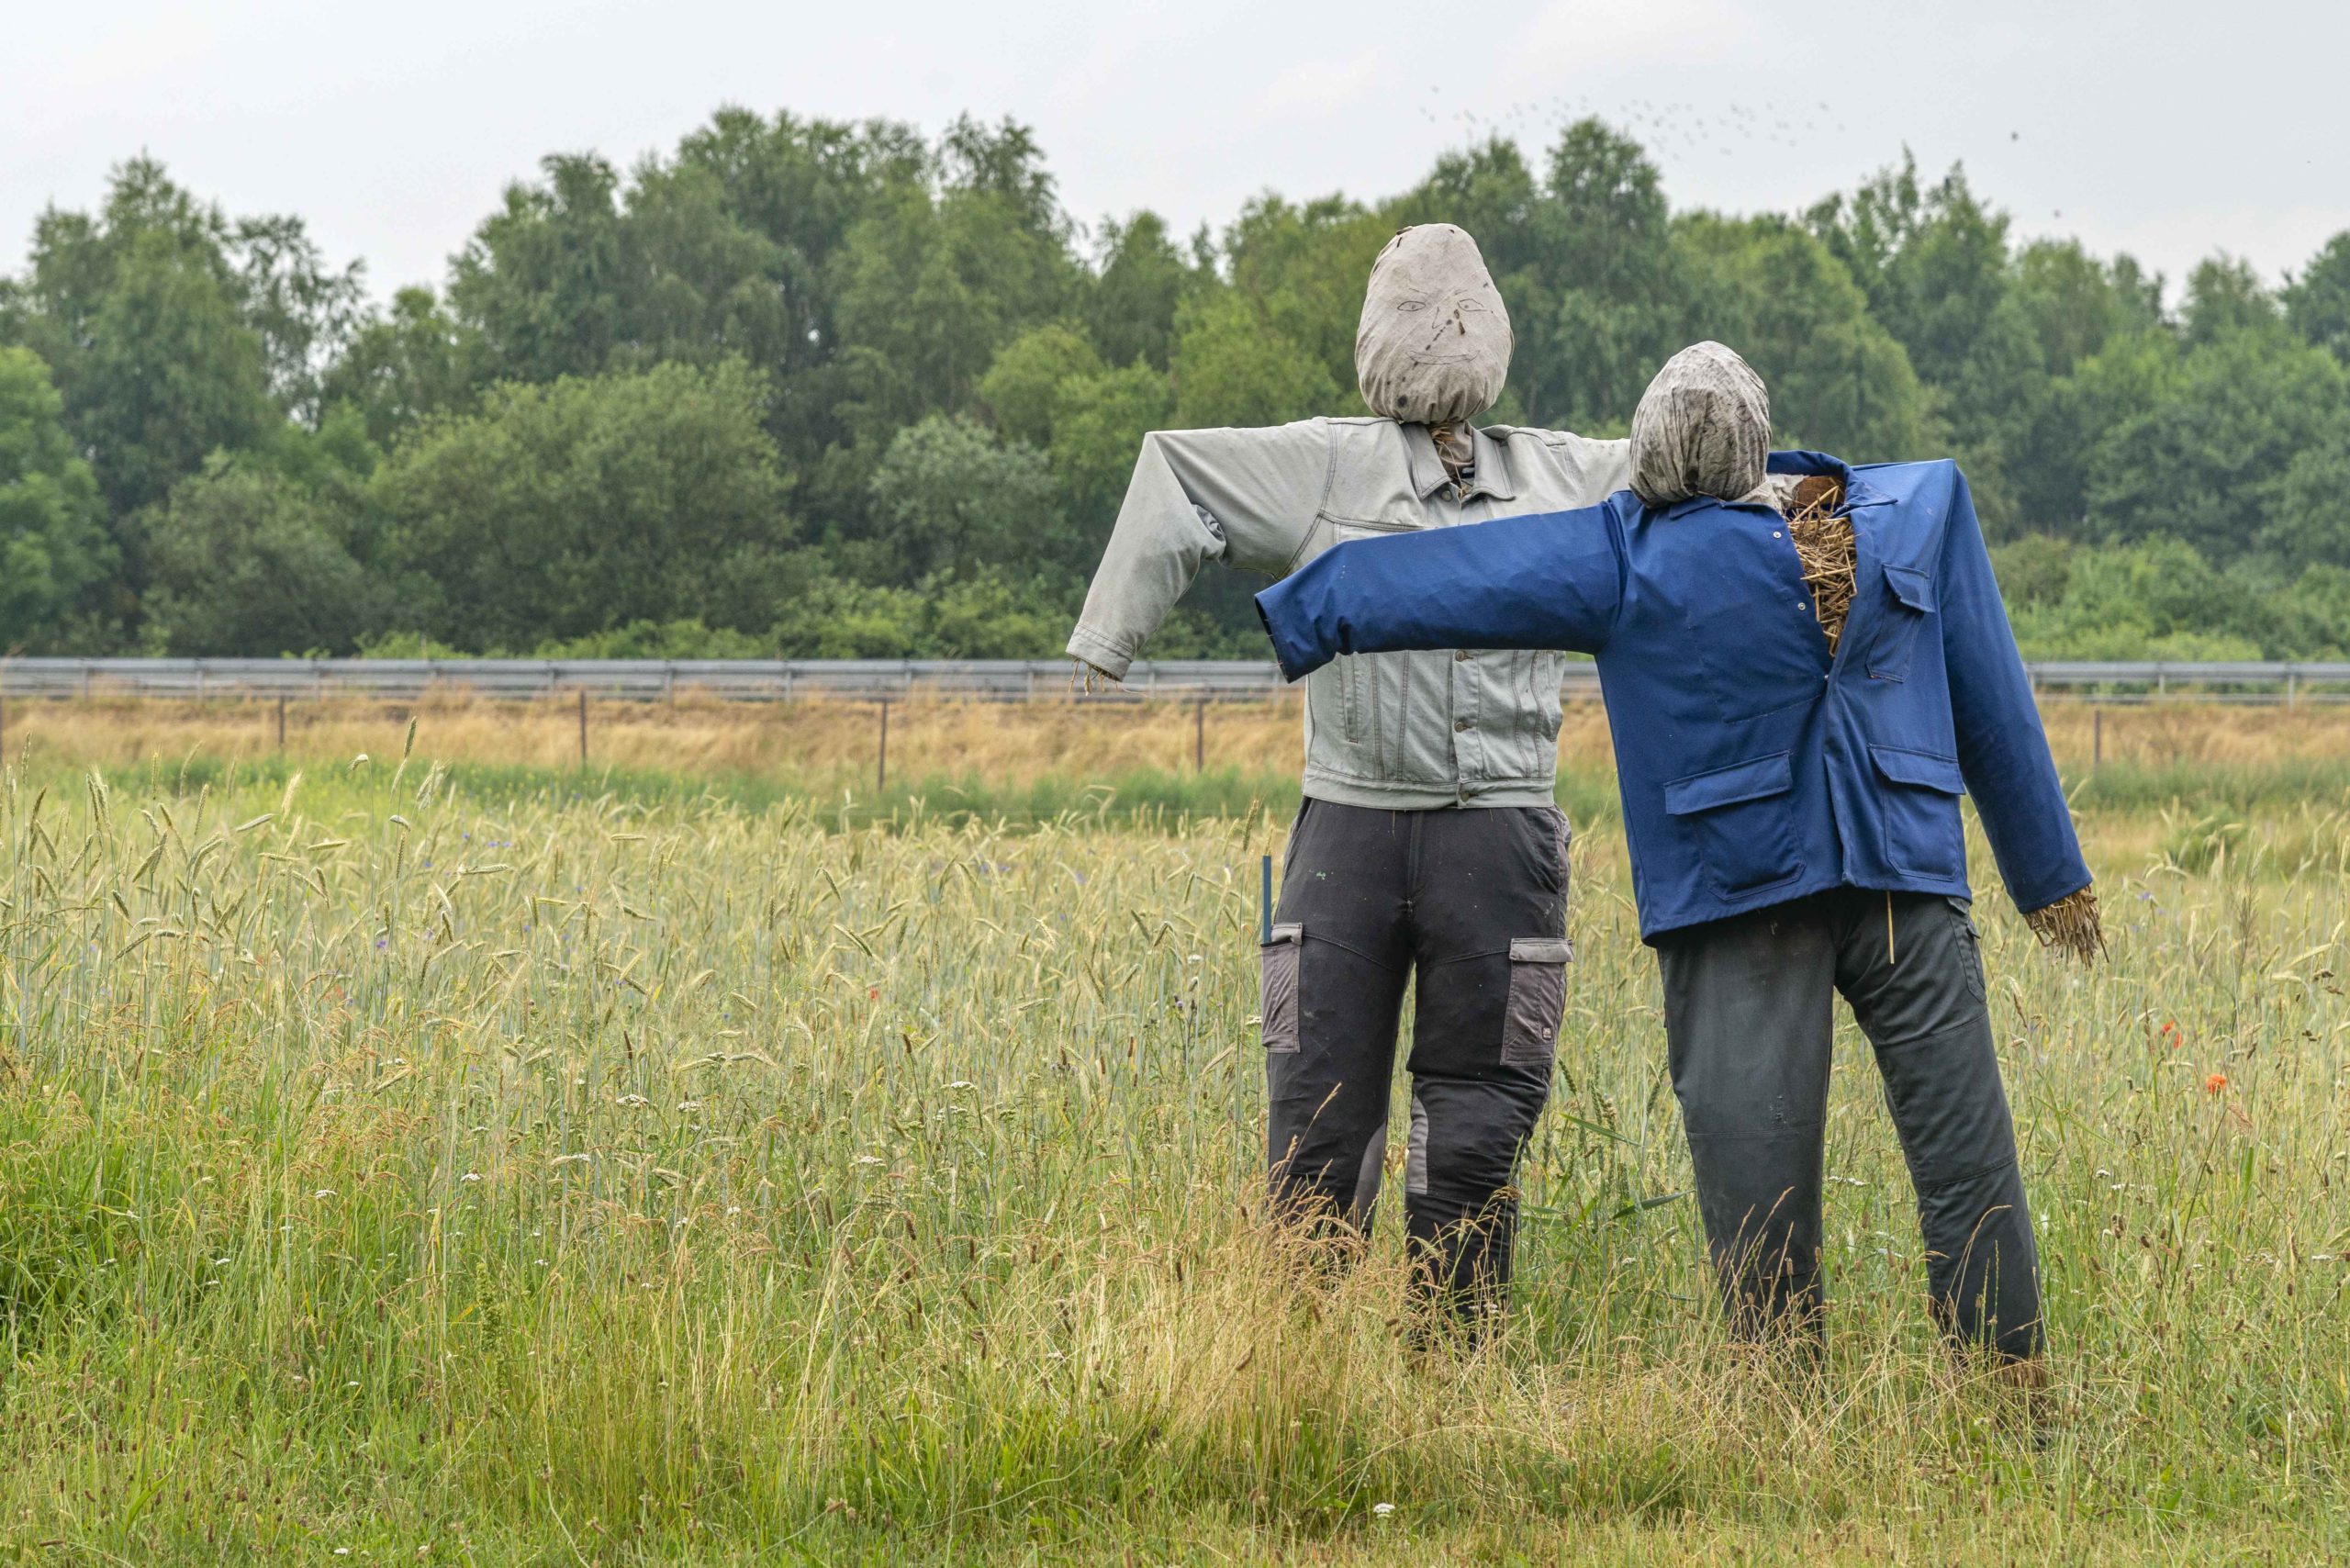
[1920, 1002]
[1488, 921]
[1333, 993]
[1749, 1031]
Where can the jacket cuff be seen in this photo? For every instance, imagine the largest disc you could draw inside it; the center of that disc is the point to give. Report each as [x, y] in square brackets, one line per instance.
[1089, 646]
[1292, 661]
[2041, 897]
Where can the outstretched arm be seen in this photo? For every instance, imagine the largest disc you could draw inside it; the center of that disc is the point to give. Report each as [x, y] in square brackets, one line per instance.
[2002, 750]
[1551, 580]
[1245, 497]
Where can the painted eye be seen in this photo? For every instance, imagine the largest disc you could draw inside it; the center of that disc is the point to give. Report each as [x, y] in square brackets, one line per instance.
[1413, 305]
[1468, 305]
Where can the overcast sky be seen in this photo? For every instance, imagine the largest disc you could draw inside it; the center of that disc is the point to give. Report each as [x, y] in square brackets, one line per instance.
[2168, 129]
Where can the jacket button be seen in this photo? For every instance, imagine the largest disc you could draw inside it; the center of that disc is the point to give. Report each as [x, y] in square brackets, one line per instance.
[1464, 655]
[1459, 723]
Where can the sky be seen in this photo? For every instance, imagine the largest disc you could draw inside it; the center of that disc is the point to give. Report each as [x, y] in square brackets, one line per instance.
[2167, 130]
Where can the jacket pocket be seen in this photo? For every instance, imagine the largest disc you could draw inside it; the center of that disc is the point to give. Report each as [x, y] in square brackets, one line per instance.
[1357, 680]
[1920, 803]
[1538, 998]
[1744, 819]
[1908, 604]
[1279, 958]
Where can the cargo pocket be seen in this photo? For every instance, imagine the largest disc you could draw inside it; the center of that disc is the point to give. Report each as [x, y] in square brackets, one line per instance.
[1538, 998]
[1970, 945]
[1742, 817]
[1908, 604]
[1280, 1000]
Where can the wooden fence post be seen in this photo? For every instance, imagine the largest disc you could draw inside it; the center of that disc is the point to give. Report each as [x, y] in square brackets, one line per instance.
[280, 721]
[2097, 738]
[1200, 736]
[881, 761]
[583, 727]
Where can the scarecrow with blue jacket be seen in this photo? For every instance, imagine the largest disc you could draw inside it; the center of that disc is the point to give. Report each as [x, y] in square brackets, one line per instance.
[1805, 664]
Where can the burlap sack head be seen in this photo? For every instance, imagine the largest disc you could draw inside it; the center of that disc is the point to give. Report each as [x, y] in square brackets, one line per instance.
[1703, 429]
[1433, 344]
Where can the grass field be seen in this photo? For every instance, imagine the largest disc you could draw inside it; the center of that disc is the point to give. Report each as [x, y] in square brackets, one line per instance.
[509, 1164]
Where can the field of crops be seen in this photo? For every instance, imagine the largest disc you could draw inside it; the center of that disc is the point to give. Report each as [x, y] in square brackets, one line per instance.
[527, 1167]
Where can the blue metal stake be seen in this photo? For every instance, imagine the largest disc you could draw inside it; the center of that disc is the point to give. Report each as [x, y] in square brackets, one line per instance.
[1265, 924]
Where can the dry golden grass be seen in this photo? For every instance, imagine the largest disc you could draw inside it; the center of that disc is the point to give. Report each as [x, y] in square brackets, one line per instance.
[1003, 743]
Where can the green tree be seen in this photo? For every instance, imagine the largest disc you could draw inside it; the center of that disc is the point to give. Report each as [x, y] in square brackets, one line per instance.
[2077, 304]
[1300, 270]
[1022, 386]
[2307, 516]
[949, 498]
[937, 277]
[248, 561]
[1837, 379]
[1615, 296]
[1585, 260]
[170, 330]
[53, 542]
[1234, 368]
[1098, 425]
[2128, 378]
[544, 280]
[581, 506]
[2225, 297]
[404, 365]
[2206, 463]
[1129, 309]
[2318, 302]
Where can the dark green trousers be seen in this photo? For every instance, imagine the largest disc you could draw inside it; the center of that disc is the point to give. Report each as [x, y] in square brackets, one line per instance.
[1748, 1017]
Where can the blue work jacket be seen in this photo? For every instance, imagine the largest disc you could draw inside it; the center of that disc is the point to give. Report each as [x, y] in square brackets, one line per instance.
[1754, 768]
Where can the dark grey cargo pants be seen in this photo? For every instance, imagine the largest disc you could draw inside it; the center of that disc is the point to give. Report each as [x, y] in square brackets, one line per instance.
[1747, 1014]
[1471, 904]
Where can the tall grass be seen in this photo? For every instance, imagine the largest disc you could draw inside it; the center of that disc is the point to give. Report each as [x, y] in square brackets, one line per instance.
[830, 746]
[394, 1163]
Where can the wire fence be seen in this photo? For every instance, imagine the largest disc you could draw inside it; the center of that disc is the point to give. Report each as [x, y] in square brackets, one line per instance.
[994, 681]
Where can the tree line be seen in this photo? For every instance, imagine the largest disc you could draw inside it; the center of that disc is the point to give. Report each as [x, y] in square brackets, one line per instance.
[810, 388]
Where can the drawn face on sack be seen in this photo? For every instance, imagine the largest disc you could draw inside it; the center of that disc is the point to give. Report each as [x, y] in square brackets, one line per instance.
[1434, 343]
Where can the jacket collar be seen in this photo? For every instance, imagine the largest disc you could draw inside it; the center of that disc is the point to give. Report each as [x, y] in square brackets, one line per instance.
[1858, 491]
[1492, 478]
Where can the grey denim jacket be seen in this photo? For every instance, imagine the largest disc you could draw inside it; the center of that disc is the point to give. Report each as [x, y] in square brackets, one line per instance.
[1401, 731]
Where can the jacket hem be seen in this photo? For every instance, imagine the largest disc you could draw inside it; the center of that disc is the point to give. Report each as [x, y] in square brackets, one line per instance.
[1426, 797]
[1681, 919]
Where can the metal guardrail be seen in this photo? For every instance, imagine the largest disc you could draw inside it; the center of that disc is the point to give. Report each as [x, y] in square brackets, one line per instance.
[768, 680]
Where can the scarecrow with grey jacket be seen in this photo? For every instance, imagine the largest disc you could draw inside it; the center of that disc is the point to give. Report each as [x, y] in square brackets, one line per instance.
[1806, 663]
[1429, 845]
